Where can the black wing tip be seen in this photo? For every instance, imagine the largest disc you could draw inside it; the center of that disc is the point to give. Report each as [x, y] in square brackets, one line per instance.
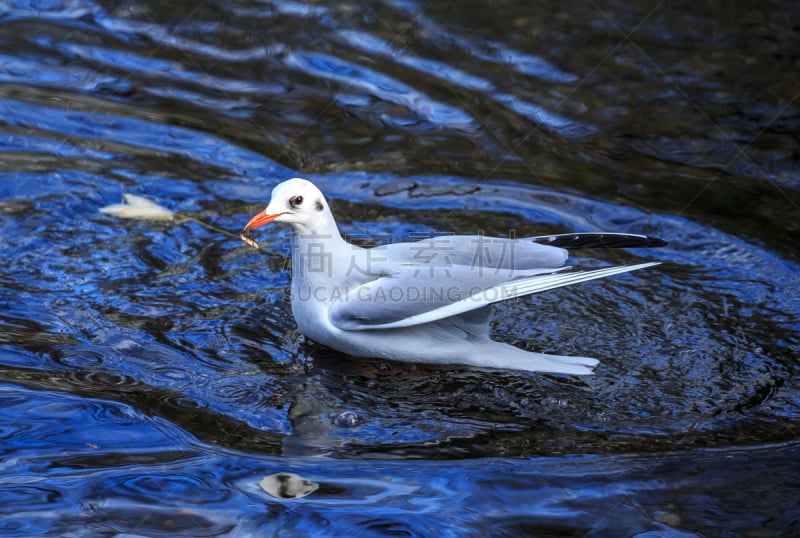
[600, 240]
[655, 242]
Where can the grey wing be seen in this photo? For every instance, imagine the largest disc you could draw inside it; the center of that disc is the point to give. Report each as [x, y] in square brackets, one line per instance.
[387, 303]
[478, 252]
[404, 291]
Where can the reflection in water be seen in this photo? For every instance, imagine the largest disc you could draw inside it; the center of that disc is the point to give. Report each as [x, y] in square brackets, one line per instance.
[287, 486]
[147, 474]
[151, 375]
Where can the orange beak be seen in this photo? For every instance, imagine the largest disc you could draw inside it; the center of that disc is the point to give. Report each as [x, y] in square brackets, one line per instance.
[260, 220]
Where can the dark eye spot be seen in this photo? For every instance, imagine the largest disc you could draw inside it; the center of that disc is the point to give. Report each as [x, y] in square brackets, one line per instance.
[318, 206]
[296, 201]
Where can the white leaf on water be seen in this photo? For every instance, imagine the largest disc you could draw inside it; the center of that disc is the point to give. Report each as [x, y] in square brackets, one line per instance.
[136, 207]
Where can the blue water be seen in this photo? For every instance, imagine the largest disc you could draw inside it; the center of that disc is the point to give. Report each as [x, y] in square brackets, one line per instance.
[151, 373]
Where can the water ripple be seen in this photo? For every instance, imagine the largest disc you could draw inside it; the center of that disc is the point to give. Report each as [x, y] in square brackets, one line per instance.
[545, 118]
[57, 10]
[381, 86]
[163, 139]
[369, 43]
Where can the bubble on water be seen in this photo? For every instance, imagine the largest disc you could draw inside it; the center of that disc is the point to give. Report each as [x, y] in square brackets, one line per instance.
[347, 419]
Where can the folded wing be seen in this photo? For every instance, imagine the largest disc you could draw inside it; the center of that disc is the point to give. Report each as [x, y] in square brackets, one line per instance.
[413, 295]
[476, 252]
[499, 253]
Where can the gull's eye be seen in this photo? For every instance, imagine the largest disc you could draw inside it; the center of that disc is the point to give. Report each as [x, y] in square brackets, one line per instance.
[296, 201]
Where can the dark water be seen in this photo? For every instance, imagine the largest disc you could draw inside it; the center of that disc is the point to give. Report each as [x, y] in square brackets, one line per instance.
[151, 375]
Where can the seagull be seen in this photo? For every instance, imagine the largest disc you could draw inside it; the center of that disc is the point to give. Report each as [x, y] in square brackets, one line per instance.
[427, 301]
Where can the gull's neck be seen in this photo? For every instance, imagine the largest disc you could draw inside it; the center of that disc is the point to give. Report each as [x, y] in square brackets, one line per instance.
[319, 253]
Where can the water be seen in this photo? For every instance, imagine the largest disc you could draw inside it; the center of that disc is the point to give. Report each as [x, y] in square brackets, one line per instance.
[151, 374]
